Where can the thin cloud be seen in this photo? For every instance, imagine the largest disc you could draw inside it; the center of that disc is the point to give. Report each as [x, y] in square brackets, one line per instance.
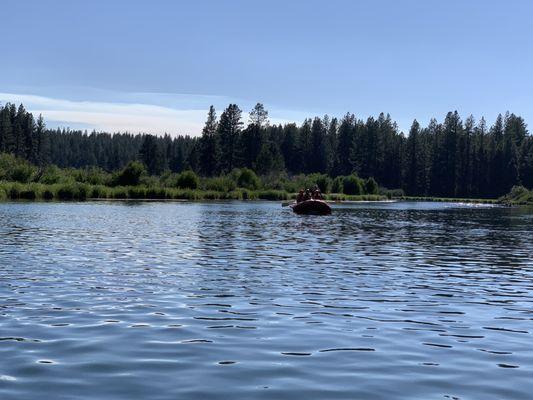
[112, 117]
[132, 117]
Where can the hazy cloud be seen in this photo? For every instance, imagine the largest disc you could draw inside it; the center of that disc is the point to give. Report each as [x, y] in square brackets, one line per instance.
[112, 117]
[128, 117]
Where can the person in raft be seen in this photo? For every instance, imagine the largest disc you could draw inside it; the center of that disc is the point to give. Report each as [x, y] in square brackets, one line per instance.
[317, 195]
[308, 195]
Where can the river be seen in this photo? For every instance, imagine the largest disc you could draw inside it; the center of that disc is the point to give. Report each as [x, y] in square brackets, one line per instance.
[242, 300]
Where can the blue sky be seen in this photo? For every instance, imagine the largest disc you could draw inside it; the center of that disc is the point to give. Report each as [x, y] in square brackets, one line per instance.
[156, 66]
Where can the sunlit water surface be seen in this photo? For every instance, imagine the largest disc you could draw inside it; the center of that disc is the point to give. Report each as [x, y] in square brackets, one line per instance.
[246, 300]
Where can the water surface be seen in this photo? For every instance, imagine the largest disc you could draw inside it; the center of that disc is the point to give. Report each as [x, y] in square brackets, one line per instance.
[246, 300]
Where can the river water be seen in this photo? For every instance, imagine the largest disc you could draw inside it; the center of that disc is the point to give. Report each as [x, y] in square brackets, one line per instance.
[242, 300]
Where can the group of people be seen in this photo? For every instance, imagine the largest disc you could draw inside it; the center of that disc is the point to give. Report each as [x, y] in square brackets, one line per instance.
[309, 194]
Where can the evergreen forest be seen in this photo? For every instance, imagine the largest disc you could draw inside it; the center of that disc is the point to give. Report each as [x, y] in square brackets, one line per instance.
[455, 157]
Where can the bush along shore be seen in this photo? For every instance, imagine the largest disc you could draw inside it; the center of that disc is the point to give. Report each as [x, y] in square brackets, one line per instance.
[449, 200]
[519, 196]
[20, 180]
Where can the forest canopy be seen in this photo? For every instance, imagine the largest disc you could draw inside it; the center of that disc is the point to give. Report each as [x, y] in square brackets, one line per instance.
[452, 158]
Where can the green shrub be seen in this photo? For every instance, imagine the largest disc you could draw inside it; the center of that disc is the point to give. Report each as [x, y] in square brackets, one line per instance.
[348, 197]
[337, 184]
[371, 186]
[96, 176]
[130, 174]
[77, 174]
[72, 191]
[136, 192]
[233, 195]
[3, 194]
[120, 192]
[219, 184]
[48, 194]
[391, 193]
[322, 181]
[352, 185]
[99, 192]
[272, 195]
[187, 180]
[67, 192]
[184, 194]
[30, 192]
[15, 169]
[518, 195]
[22, 172]
[155, 193]
[6, 162]
[299, 182]
[336, 196]
[211, 195]
[517, 192]
[51, 175]
[148, 180]
[248, 194]
[277, 181]
[248, 179]
[84, 191]
[14, 190]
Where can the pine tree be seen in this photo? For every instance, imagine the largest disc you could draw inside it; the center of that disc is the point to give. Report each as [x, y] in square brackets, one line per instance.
[252, 138]
[305, 145]
[291, 149]
[331, 148]
[345, 143]
[413, 182]
[512, 138]
[526, 162]
[208, 145]
[318, 157]
[449, 159]
[259, 116]
[152, 156]
[496, 161]
[228, 132]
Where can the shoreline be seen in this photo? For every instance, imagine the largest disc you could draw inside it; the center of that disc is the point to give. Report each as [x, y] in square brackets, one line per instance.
[449, 199]
[14, 191]
[283, 203]
[84, 191]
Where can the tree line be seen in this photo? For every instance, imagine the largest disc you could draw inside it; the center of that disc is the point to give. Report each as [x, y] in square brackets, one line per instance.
[453, 158]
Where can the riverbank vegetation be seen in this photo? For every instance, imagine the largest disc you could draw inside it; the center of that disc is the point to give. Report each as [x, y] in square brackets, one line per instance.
[20, 180]
[449, 199]
[449, 159]
[518, 195]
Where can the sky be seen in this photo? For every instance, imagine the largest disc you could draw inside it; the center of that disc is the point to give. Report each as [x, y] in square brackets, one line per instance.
[156, 66]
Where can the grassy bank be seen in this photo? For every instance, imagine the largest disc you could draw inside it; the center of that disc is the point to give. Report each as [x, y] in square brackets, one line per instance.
[20, 180]
[362, 197]
[518, 196]
[84, 191]
[81, 191]
[448, 199]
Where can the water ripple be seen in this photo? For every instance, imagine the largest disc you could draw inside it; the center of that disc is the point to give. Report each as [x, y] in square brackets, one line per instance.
[246, 300]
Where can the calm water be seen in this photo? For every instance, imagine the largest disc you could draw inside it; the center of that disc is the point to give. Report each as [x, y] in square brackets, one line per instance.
[246, 300]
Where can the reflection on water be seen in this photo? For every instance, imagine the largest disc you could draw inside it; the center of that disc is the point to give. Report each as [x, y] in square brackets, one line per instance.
[247, 300]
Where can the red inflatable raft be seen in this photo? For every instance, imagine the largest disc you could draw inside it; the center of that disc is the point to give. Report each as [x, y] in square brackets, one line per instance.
[314, 207]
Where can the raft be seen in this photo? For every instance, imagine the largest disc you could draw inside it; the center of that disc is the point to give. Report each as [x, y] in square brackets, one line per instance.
[313, 207]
